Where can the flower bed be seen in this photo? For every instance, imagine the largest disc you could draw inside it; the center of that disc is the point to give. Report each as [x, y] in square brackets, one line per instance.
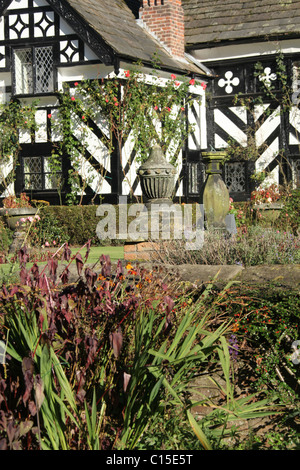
[107, 351]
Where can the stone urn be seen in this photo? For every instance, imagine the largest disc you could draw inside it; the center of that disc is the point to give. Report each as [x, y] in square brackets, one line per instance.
[269, 211]
[157, 178]
[215, 192]
[14, 215]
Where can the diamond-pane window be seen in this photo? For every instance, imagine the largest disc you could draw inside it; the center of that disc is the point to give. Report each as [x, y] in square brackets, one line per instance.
[23, 71]
[235, 176]
[39, 174]
[44, 69]
[33, 70]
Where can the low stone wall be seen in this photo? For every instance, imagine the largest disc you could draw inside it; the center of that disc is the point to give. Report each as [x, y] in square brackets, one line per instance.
[148, 251]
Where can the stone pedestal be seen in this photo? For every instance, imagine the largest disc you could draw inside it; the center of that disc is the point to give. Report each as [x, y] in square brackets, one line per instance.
[215, 192]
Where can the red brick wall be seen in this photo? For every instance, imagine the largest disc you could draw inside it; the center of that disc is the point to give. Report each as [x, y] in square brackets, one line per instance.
[165, 18]
[141, 251]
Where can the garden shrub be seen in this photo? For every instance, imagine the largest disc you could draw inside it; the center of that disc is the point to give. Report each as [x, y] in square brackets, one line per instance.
[75, 224]
[78, 223]
[291, 212]
[266, 323]
[5, 240]
[46, 230]
[255, 246]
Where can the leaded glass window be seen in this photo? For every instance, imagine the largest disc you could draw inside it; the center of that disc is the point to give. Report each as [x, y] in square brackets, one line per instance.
[235, 177]
[33, 70]
[296, 173]
[193, 178]
[39, 174]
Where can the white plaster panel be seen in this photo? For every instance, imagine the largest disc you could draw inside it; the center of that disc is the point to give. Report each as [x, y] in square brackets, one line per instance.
[19, 26]
[268, 155]
[268, 126]
[38, 30]
[17, 4]
[3, 60]
[295, 122]
[64, 28]
[40, 3]
[41, 120]
[1, 29]
[225, 123]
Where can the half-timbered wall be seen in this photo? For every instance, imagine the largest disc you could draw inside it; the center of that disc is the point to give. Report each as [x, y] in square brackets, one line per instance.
[39, 52]
[41, 48]
[240, 113]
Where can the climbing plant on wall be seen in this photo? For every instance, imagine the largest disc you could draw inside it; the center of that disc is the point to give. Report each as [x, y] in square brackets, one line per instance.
[14, 119]
[133, 105]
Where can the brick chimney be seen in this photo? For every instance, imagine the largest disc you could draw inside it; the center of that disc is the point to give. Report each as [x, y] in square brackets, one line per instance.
[165, 20]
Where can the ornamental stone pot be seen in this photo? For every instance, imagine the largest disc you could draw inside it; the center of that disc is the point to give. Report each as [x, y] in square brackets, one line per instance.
[13, 218]
[215, 192]
[269, 211]
[157, 178]
[14, 215]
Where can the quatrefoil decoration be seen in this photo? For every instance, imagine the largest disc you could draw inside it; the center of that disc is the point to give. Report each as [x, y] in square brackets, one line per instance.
[229, 83]
[268, 76]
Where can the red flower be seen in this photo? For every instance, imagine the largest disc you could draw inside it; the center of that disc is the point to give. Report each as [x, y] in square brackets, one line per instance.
[73, 98]
[116, 104]
[76, 84]
[127, 73]
[203, 85]
[49, 116]
[173, 77]
[192, 81]
[177, 83]
[156, 108]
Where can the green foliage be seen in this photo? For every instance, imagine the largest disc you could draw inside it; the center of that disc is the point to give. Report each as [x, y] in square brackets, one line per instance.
[47, 230]
[95, 364]
[291, 211]
[5, 240]
[240, 212]
[146, 110]
[252, 246]
[75, 224]
[14, 118]
[266, 322]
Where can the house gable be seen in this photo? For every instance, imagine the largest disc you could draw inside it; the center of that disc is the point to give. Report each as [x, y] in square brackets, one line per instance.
[33, 21]
[85, 40]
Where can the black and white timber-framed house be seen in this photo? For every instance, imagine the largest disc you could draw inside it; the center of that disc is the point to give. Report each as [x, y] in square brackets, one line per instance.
[46, 43]
[231, 38]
